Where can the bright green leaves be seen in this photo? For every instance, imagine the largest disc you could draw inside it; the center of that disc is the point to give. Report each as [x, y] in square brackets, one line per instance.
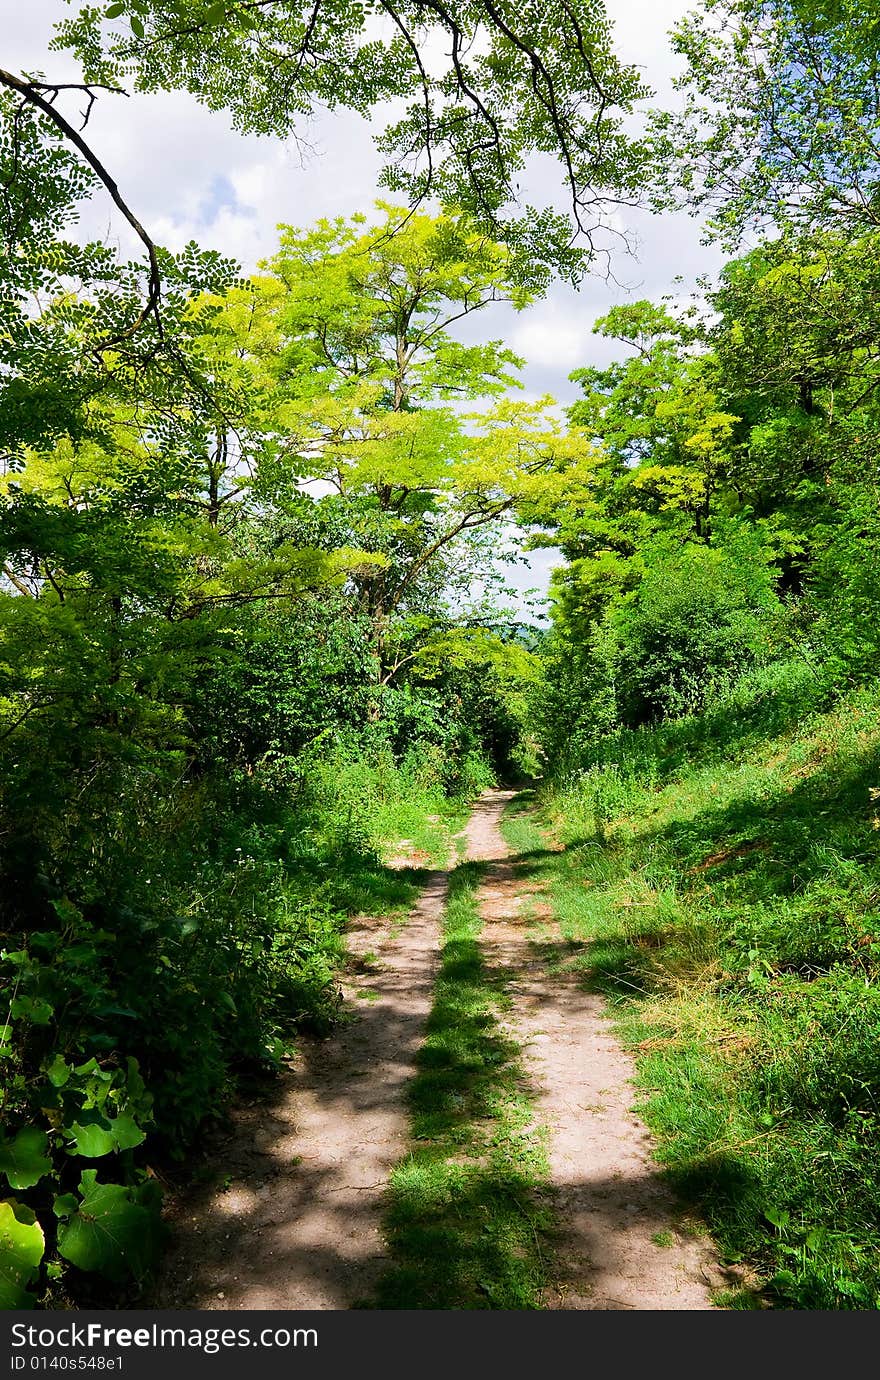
[675, 488]
[95, 1109]
[23, 1158]
[58, 1071]
[367, 365]
[92, 1137]
[523, 452]
[21, 1250]
[114, 1230]
[98, 1109]
[662, 418]
[372, 305]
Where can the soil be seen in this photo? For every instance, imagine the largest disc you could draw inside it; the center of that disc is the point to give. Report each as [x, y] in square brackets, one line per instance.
[295, 1222]
[623, 1241]
[288, 1214]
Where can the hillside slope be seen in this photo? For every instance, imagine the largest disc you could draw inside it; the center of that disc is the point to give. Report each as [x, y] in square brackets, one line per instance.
[720, 879]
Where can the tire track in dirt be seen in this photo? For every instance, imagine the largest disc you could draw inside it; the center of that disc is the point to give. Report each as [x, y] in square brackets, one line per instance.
[607, 1192]
[298, 1223]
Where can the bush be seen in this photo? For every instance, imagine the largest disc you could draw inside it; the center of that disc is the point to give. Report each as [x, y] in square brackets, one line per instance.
[177, 932]
[700, 617]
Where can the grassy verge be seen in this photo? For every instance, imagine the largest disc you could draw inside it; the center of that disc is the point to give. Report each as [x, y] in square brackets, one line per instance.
[464, 1227]
[731, 909]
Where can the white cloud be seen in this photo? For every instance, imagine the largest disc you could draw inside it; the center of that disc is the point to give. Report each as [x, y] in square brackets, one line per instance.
[551, 344]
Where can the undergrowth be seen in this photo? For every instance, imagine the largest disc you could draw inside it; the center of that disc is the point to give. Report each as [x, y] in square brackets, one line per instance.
[464, 1227]
[204, 930]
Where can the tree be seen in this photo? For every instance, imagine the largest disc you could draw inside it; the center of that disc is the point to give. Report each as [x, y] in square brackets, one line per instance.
[366, 363]
[661, 418]
[513, 81]
[781, 119]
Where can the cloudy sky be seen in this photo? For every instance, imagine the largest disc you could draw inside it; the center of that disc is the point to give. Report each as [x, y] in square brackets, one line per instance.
[188, 175]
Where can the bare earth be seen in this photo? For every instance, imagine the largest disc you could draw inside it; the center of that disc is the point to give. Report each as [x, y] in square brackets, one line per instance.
[607, 1192]
[295, 1222]
[299, 1224]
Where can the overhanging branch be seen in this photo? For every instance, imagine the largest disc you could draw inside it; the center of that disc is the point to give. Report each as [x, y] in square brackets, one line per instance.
[31, 93]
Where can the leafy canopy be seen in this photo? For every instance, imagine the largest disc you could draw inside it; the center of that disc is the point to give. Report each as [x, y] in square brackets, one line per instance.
[486, 85]
[781, 118]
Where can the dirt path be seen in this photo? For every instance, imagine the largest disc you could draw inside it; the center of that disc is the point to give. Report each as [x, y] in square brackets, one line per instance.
[621, 1243]
[296, 1222]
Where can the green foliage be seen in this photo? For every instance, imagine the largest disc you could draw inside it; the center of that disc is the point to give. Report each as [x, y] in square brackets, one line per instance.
[844, 583]
[114, 1229]
[23, 1158]
[781, 115]
[209, 728]
[131, 1011]
[242, 653]
[21, 1250]
[661, 635]
[513, 82]
[365, 366]
[732, 518]
[352, 292]
[699, 618]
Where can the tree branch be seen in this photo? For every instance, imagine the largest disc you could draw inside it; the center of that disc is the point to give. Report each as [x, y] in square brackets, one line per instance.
[30, 92]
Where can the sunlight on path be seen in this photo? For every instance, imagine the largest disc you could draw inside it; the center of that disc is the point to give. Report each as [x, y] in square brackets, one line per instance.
[297, 1223]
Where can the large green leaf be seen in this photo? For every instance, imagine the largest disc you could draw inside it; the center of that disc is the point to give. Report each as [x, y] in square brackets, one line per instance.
[115, 1233]
[23, 1159]
[92, 1137]
[126, 1132]
[21, 1250]
[95, 1135]
[58, 1071]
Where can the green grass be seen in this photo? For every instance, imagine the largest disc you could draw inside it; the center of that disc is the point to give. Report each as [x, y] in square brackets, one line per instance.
[430, 823]
[464, 1223]
[729, 906]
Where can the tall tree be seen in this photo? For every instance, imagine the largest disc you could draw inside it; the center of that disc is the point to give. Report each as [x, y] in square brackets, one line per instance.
[488, 85]
[367, 368]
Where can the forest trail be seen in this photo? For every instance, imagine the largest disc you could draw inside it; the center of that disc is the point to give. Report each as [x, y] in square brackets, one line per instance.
[620, 1244]
[296, 1222]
